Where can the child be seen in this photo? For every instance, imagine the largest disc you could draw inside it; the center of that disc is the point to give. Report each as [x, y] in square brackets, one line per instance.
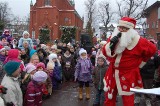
[33, 96]
[30, 69]
[83, 73]
[56, 73]
[98, 75]
[68, 64]
[10, 81]
[48, 85]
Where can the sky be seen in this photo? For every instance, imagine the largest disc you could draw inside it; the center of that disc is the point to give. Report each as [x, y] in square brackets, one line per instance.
[21, 7]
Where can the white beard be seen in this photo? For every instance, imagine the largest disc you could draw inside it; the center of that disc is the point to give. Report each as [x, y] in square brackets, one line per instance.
[125, 40]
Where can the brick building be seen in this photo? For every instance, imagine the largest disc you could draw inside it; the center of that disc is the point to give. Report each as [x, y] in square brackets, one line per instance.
[54, 14]
[152, 13]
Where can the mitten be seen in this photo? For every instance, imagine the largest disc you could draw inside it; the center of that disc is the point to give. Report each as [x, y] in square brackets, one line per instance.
[114, 41]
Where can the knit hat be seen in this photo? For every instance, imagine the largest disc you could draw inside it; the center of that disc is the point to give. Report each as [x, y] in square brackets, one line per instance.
[127, 22]
[82, 51]
[41, 65]
[29, 68]
[69, 44]
[50, 66]
[11, 67]
[54, 47]
[1, 48]
[32, 52]
[52, 56]
[94, 53]
[103, 42]
[40, 76]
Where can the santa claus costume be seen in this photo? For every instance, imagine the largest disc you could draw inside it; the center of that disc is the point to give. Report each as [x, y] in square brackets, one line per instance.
[125, 54]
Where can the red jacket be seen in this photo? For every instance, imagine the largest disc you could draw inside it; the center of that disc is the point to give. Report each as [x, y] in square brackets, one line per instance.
[33, 96]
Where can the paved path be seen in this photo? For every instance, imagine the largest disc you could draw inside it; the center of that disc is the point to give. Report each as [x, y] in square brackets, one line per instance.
[68, 96]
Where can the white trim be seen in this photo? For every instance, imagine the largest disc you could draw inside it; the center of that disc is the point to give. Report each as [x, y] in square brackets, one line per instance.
[108, 50]
[105, 85]
[134, 42]
[142, 64]
[126, 24]
[119, 87]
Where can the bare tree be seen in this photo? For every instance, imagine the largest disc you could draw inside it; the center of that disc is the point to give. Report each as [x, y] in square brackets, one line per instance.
[4, 14]
[90, 9]
[132, 8]
[105, 14]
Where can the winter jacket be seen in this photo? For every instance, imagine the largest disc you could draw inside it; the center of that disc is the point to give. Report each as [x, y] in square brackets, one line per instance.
[14, 93]
[68, 60]
[57, 76]
[8, 38]
[25, 82]
[98, 75]
[80, 73]
[33, 96]
[148, 70]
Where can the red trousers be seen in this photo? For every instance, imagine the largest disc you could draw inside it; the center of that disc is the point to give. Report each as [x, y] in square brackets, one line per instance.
[127, 100]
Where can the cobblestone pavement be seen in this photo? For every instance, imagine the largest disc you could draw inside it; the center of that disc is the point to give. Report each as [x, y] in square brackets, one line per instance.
[68, 96]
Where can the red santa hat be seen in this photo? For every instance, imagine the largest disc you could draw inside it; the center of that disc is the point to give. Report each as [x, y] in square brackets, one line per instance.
[1, 48]
[127, 22]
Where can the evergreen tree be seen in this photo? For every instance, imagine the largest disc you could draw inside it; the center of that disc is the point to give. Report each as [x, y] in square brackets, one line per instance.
[68, 34]
[44, 36]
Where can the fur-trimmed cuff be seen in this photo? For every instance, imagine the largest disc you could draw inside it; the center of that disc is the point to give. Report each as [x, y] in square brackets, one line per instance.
[108, 50]
[105, 85]
[142, 64]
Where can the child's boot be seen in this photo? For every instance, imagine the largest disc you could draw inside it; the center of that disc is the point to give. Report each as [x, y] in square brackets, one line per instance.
[87, 93]
[80, 93]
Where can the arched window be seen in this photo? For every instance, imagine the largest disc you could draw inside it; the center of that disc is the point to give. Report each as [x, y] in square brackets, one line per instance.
[47, 2]
[159, 13]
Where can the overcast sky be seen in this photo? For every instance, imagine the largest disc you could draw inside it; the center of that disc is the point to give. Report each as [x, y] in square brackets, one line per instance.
[21, 7]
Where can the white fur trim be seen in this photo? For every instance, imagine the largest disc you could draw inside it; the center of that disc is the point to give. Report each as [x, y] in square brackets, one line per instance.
[134, 42]
[108, 50]
[119, 87]
[110, 96]
[105, 85]
[142, 64]
[126, 24]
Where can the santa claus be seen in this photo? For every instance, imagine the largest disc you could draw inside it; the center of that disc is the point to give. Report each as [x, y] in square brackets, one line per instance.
[126, 51]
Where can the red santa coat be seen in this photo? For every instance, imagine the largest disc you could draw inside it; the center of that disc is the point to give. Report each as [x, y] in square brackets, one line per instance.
[123, 71]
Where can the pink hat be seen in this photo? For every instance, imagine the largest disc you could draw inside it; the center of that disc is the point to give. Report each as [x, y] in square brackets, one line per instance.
[127, 22]
[40, 76]
[1, 48]
[29, 68]
[41, 65]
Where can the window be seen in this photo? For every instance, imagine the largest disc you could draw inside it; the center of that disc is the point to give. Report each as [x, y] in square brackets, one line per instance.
[47, 2]
[153, 24]
[157, 24]
[159, 13]
[148, 26]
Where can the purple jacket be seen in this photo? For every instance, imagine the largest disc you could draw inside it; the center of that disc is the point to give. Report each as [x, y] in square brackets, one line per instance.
[33, 96]
[83, 70]
[8, 38]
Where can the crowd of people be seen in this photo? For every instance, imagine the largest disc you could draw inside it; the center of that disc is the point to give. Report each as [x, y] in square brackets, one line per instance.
[30, 73]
